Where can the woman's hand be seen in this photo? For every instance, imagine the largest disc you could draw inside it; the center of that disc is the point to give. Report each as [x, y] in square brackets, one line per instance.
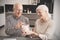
[36, 33]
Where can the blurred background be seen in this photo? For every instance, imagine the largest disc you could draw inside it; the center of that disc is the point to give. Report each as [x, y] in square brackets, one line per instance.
[29, 6]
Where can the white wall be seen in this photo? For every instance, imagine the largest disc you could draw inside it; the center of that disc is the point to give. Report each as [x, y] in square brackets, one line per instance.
[2, 19]
[14, 1]
[2, 16]
[56, 15]
[2, 2]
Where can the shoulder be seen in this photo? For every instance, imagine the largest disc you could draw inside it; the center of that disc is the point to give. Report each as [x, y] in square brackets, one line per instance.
[24, 17]
[51, 22]
[9, 17]
[37, 22]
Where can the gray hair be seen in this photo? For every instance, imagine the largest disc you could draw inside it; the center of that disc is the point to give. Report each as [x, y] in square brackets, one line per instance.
[43, 7]
[18, 4]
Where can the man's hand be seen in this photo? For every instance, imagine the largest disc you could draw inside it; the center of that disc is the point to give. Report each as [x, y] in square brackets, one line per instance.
[19, 25]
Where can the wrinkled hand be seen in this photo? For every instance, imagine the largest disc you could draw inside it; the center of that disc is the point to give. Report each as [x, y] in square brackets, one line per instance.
[24, 33]
[35, 33]
[29, 33]
[19, 25]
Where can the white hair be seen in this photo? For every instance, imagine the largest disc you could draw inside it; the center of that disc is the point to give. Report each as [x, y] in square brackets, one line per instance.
[45, 8]
[18, 4]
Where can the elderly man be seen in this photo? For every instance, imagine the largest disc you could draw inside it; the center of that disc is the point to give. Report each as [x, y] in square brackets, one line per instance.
[16, 23]
[44, 25]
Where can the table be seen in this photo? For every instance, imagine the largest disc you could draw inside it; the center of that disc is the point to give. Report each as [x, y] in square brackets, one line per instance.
[18, 38]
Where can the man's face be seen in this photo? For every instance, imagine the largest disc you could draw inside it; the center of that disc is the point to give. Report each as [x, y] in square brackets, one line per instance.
[18, 10]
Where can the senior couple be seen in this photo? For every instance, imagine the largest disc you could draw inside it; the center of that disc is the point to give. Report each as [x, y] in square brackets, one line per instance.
[18, 25]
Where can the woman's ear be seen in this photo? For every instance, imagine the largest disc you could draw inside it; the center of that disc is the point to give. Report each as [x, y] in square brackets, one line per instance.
[46, 12]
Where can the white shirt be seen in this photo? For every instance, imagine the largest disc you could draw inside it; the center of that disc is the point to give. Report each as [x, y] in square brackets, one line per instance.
[45, 30]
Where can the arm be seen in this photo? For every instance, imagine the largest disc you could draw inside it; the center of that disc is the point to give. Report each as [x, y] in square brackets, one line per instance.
[49, 32]
[9, 28]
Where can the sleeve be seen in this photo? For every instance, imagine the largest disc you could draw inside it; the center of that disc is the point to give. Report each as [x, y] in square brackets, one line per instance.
[9, 29]
[36, 26]
[49, 33]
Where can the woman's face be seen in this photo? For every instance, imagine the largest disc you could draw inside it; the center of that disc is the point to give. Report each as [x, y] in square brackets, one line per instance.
[41, 13]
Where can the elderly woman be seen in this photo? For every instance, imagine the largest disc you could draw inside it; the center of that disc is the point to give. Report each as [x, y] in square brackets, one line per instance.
[43, 25]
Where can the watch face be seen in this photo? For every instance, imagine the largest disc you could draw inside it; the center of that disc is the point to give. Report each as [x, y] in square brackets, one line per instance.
[9, 39]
